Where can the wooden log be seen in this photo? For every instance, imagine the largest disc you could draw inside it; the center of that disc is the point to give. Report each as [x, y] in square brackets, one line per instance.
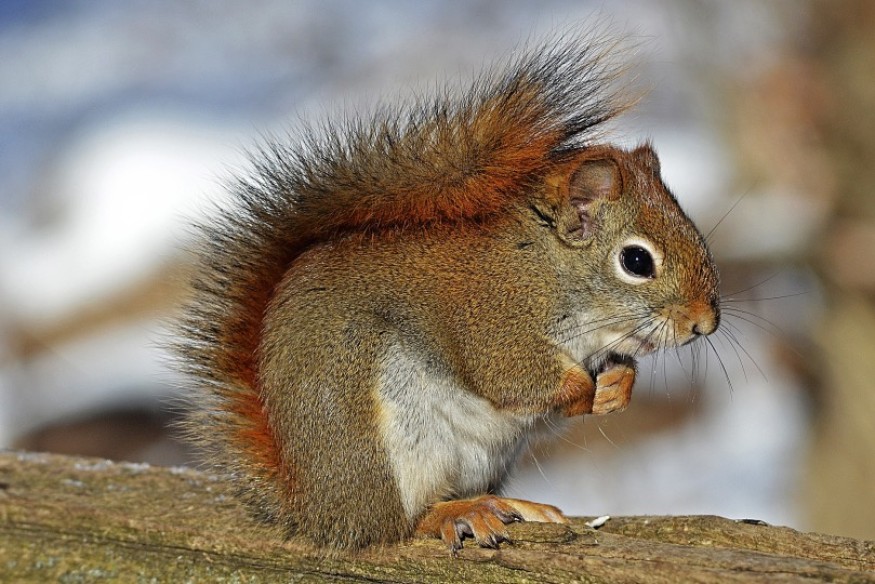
[67, 519]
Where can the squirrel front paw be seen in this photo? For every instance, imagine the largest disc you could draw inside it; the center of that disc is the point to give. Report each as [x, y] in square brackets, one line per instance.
[482, 518]
[610, 392]
[613, 387]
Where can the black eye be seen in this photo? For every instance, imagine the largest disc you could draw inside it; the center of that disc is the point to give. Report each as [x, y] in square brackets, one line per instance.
[637, 261]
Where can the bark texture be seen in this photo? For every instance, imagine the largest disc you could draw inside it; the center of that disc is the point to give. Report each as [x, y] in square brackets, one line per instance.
[66, 519]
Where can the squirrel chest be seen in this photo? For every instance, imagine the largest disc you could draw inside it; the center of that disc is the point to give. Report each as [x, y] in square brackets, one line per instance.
[442, 441]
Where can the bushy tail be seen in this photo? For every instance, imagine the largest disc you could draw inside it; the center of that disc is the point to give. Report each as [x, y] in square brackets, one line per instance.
[455, 156]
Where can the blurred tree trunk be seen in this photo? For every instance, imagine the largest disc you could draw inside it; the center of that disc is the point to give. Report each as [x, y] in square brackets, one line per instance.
[840, 493]
[804, 124]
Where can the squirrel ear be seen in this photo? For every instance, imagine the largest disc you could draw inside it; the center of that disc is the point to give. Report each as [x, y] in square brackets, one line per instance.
[593, 180]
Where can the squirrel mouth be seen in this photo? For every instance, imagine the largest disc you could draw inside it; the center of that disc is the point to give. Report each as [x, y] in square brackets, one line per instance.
[645, 346]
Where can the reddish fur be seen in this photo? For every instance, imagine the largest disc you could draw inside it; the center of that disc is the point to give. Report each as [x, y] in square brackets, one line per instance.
[577, 393]
[253, 433]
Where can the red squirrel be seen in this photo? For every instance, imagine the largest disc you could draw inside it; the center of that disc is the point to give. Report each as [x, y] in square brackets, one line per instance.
[395, 304]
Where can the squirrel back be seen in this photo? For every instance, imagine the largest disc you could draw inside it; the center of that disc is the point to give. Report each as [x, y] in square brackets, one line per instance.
[458, 156]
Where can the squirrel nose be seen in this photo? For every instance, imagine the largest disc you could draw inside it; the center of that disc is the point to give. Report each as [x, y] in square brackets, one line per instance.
[698, 330]
[707, 320]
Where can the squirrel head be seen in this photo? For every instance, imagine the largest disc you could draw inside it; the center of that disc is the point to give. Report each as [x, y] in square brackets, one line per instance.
[626, 242]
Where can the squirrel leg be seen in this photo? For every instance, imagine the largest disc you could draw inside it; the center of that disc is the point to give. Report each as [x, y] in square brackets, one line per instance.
[482, 518]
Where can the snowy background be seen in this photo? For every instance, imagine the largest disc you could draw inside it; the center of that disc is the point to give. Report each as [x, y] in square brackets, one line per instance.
[119, 121]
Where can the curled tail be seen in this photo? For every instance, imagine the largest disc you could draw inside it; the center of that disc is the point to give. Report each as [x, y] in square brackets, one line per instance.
[455, 156]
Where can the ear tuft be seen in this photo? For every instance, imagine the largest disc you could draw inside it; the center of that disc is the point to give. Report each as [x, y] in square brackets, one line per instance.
[646, 155]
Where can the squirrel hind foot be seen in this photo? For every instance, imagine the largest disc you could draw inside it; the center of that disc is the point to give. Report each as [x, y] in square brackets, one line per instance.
[483, 519]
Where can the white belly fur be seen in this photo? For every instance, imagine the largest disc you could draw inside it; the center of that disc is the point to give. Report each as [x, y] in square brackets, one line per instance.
[442, 441]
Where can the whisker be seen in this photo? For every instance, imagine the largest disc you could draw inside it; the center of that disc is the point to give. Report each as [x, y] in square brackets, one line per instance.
[556, 430]
[722, 365]
[692, 375]
[750, 317]
[695, 357]
[737, 354]
[535, 460]
[731, 335]
[757, 285]
[725, 215]
[693, 365]
[740, 310]
[624, 337]
[561, 436]
[615, 342]
[644, 342]
[764, 298]
[605, 436]
[603, 324]
[771, 329]
[707, 352]
[572, 331]
[574, 325]
[662, 349]
[677, 351]
[652, 370]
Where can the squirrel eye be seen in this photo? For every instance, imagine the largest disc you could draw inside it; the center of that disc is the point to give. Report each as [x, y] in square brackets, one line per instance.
[637, 261]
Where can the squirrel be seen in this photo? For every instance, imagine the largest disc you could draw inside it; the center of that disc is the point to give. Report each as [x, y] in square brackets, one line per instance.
[397, 303]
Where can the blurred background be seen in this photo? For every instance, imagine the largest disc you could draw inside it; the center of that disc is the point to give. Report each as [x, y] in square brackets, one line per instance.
[120, 120]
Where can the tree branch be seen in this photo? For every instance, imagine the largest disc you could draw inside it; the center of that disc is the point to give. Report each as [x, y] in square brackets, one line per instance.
[79, 519]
